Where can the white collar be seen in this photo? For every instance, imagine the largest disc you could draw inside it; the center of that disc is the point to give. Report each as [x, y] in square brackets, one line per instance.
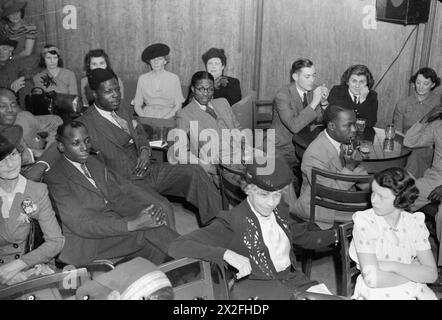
[103, 113]
[336, 144]
[301, 92]
[203, 107]
[75, 164]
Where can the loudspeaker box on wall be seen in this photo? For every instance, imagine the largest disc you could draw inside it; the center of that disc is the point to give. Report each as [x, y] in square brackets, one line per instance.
[403, 11]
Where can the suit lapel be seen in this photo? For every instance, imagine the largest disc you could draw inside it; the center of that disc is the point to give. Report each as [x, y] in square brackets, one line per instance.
[295, 94]
[330, 149]
[72, 174]
[103, 126]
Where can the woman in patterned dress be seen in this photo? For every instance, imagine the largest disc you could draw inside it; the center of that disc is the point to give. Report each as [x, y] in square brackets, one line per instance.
[390, 244]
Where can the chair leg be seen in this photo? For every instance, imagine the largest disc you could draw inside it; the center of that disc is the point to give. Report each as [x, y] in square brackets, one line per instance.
[306, 262]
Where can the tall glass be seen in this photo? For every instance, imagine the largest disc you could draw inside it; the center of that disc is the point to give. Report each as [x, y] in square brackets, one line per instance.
[390, 131]
[360, 125]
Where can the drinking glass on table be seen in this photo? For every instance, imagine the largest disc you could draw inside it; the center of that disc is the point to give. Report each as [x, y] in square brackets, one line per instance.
[390, 131]
[360, 125]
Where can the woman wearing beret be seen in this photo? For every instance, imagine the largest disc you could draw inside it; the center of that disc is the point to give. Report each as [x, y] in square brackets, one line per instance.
[355, 92]
[94, 59]
[215, 61]
[54, 77]
[21, 201]
[13, 26]
[411, 109]
[256, 237]
[159, 93]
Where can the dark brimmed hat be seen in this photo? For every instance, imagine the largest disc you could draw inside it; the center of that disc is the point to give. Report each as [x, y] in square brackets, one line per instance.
[12, 6]
[10, 137]
[214, 53]
[98, 76]
[154, 51]
[8, 42]
[267, 177]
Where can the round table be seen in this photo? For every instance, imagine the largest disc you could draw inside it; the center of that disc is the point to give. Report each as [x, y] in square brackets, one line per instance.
[376, 159]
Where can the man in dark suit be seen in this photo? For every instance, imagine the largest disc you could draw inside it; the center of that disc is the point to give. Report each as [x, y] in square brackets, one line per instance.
[124, 147]
[102, 216]
[295, 107]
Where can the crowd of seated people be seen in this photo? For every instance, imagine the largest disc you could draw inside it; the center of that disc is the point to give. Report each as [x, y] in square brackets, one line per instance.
[112, 201]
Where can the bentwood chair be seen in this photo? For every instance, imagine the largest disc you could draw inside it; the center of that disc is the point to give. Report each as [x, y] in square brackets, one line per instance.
[340, 200]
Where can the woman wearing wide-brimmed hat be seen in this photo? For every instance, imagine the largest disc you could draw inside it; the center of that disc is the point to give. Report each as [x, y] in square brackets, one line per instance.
[22, 201]
[13, 26]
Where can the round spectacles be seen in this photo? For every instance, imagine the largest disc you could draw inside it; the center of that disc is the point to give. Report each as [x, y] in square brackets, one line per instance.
[203, 90]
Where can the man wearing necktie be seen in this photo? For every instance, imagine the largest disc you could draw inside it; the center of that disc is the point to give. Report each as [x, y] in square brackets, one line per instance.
[124, 148]
[297, 106]
[103, 216]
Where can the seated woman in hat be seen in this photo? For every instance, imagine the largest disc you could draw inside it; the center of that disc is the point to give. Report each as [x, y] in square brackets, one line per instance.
[54, 77]
[215, 61]
[158, 92]
[22, 200]
[94, 59]
[256, 237]
[13, 26]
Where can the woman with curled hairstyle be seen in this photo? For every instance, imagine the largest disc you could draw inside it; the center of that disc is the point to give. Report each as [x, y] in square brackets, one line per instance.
[54, 77]
[390, 244]
[22, 201]
[355, 92]
[215, 61]
[96, 58]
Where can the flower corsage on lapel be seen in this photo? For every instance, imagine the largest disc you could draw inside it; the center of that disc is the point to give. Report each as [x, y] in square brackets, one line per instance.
[29, 207]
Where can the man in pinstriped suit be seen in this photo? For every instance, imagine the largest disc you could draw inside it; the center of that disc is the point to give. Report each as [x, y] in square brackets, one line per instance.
[124, 147]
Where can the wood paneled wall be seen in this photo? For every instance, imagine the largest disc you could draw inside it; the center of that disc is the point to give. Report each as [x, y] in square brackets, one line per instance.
[330, 32]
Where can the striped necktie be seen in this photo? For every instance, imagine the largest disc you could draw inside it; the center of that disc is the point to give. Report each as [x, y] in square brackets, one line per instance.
[121, 122]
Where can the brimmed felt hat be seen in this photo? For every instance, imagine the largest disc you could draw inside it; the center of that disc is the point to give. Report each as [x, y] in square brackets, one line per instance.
[10, 137]
[11, 6]
[133, 280]
[214, 53]
[270, 174]
[154, 51]
[8, 42]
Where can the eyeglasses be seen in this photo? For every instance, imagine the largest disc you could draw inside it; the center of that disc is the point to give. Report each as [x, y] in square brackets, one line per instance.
[203, 90]
[14, 155]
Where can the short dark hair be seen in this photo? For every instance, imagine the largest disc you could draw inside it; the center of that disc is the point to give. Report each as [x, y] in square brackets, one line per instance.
[8, 89]
[298, 65]
[165, 293]
[96, 53]
[72, 124]
[400, 182]
[332, 112]
[427, 73]
[358, 70]
[198, 76]
[42, 63]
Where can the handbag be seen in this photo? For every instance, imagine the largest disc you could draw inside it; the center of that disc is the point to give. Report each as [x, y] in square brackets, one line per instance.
[35, 237]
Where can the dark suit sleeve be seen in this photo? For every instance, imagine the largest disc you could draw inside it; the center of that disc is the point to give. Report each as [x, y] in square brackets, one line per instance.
[142, 141]
[84, 220]
[208, 243]
[294, 119]
[335, 97]
[369, 109]
[235, 91]
[307, 239]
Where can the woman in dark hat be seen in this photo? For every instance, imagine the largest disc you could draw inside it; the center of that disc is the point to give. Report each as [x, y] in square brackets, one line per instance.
[256, 237]
[14, 74]
[96, 58]
[159, 93]
[215, 61]
[55, 77]
[21, 201]
[14, 26]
